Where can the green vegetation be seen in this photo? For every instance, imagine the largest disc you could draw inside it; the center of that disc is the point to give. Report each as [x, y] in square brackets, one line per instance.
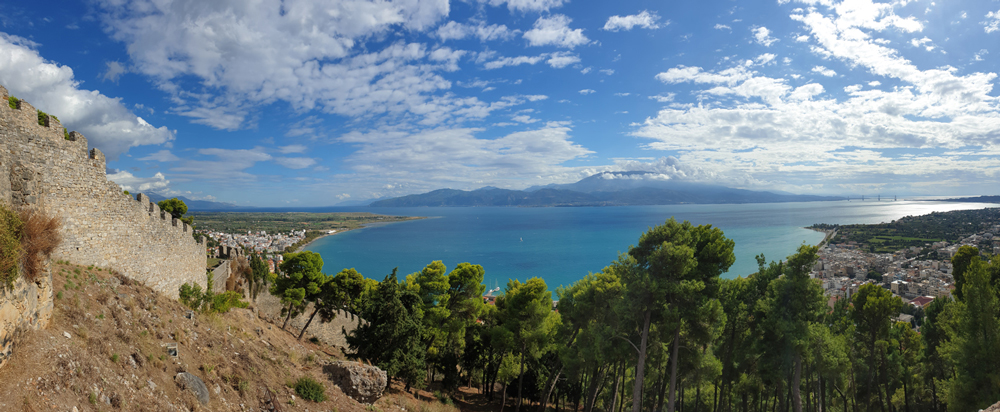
[43, 118]
[177, 208]
[915, 230]
[309, 389]
[194, 297]
[12, 101]
[10, 245]
[661, 322]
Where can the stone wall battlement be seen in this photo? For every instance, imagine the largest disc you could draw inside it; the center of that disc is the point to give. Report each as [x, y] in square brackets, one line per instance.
[47, 167]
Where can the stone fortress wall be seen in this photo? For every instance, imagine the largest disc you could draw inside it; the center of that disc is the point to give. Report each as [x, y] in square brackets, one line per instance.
[101, 226]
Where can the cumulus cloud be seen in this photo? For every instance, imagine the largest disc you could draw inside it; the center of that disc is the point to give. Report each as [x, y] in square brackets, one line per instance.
[719, 26]
[644, 19]
[105, 121]
[587, 91]
[527, 5]
[134, 183]
[992, 22]
[457, 31]
[824, 71]
[310, 55]
[555, 31]
[763, 36]
[746, 121]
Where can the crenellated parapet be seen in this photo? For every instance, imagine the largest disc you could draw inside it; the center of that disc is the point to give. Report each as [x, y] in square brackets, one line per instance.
[46, 166]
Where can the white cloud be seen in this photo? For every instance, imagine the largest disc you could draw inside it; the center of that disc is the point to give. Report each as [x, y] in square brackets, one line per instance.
[456, 31]
[113, 71]
[228, 164]
[746, 122]
[587, 91]
[763, 36]
[681, 74]
[221, 60]
[50, 87]
[802, 39]
[555, 31]
[295, 148]
[136, 184]
[295, 162]
[922, 43]
[608, 71]
[765, 58]
[527, 5]
[979, 55]
[824, 71]
[644, 19]
[513, 61]
[413, 162]
[719, 26]
[663, 99]
[161, 156]
[562, 59]
[992, 22]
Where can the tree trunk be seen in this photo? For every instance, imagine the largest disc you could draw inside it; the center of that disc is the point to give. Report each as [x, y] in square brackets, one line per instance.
[614, 390]
[796, 384]
[640, 365]
[520, 382]
[503, 398]
[555, 378]
[287, 317]
[673, 368]
[595, 387]
[308, 322]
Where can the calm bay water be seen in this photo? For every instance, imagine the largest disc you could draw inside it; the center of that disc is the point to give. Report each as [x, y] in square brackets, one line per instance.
[561, 245]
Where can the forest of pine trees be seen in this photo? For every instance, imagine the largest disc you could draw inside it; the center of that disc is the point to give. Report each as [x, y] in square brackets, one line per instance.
[659, 330]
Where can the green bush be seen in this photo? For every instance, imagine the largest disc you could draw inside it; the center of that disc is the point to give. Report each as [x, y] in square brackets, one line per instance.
[309, 389]
[225, 301]
[12, 102]
[10, 245]
[191, 295]
[43, 118]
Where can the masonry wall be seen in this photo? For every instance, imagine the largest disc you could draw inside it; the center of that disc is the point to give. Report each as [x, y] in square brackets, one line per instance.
[40, 166]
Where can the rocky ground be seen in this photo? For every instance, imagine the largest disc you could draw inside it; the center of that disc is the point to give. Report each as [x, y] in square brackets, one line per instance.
[109, 347]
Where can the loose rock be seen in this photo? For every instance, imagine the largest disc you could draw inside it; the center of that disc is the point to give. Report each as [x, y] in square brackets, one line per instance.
[361, 382]
[194, 384]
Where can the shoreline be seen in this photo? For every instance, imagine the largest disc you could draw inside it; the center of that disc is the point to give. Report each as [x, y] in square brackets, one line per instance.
[373, 224]
[830, 233]
[303, 247]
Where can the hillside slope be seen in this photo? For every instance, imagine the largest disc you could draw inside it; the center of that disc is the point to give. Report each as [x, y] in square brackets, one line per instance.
[105, 350]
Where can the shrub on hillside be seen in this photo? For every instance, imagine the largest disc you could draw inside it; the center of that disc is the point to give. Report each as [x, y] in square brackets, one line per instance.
[10, 245]
[309, 389]
[27, 238]
[12, 102]
[39, 238]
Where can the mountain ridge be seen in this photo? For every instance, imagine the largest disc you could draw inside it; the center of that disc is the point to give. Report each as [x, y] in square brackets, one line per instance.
[603, 189]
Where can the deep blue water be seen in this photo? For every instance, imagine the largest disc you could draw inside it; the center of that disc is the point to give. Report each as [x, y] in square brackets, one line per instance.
[561, 245]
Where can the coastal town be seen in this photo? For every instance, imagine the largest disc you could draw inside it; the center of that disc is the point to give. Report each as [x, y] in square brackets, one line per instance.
[917, 274]
[259, 241]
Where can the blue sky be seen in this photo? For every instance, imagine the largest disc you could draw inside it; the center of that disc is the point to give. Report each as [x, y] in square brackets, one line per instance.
[312, 103]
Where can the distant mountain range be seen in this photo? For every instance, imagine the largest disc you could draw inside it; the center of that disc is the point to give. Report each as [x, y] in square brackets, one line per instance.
[603, 189]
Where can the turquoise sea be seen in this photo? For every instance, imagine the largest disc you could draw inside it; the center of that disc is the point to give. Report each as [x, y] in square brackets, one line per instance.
[563, 244]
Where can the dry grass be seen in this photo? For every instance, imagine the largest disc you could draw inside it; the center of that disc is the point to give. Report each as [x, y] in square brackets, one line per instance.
[10, 244]
[239, 270]
[39, 238]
